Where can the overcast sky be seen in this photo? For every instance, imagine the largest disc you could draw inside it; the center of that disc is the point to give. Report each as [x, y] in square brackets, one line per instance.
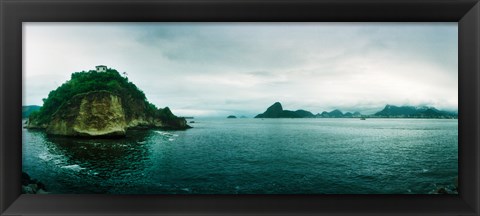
[207, 69]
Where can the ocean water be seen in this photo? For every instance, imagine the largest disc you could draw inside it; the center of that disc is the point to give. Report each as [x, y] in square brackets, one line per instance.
[253, 156]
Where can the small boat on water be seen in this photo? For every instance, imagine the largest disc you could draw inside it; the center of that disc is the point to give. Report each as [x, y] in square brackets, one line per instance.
[362, 118]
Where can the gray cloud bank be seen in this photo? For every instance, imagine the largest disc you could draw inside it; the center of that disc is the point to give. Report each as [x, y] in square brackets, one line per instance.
[207, 69]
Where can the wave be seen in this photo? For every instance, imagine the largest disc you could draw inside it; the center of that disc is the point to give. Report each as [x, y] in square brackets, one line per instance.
[74, 167]
[167, 134]
[48, 157]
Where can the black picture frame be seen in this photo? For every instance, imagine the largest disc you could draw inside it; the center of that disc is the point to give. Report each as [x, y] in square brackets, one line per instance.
[14, 12]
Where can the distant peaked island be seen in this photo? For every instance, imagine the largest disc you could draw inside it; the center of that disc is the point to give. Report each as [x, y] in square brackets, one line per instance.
[100, 103]
[276, 111]
[231, 116]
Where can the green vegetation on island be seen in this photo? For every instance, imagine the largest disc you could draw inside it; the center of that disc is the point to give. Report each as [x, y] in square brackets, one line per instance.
[231, 116]
[103, 103]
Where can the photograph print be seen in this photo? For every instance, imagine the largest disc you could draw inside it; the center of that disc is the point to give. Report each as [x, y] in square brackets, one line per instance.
[240, 108]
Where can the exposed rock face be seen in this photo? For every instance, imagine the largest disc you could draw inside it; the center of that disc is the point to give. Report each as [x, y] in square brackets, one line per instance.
[97, 113]
[101, 114]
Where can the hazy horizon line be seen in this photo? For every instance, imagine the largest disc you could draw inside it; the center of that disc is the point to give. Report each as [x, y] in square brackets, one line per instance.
[252, 113]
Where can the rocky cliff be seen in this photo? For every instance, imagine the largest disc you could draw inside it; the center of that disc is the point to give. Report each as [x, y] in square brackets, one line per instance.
[97, 113]
[103, 104]
[101, 114]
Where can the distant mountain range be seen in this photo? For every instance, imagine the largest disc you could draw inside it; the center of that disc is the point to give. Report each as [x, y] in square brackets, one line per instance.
[27, 110]
[391, 111]
[338, 114]
[276, 111]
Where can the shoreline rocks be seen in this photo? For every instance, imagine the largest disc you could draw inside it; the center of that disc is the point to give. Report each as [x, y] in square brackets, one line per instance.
[449, 189]
[32, 186]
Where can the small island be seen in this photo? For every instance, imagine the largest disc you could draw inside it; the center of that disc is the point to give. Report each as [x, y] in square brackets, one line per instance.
[100, 103]
[231, 117]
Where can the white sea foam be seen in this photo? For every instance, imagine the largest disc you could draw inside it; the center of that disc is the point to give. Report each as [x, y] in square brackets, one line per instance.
[74, 167]
[167, 134]
[48, 157]
[57, 161]
[45, 157]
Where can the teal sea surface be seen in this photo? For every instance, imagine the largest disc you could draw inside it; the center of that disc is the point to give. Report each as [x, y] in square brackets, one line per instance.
[253, 156]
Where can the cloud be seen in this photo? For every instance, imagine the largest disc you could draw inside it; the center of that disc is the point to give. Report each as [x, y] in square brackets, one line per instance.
[211, 69]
